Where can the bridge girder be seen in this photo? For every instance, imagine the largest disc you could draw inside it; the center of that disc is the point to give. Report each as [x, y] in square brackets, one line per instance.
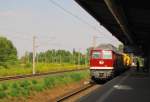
[127, 20]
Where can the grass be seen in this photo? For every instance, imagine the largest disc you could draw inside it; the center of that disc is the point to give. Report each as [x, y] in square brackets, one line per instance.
[24, 88]
[40, 68]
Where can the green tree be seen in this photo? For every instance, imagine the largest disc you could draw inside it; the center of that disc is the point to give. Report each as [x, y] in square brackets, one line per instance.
[8, 53]
[60, 56]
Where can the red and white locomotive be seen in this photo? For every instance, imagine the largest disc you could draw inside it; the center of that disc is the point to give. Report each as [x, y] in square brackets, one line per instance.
[105, 62]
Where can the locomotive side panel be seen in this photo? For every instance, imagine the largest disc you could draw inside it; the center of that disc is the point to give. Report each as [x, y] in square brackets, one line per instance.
[119, 64]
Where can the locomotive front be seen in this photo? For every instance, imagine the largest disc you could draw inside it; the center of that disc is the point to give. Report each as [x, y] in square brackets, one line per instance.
[101, 64]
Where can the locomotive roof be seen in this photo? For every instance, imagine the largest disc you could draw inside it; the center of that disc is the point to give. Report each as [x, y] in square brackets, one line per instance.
[107, 47]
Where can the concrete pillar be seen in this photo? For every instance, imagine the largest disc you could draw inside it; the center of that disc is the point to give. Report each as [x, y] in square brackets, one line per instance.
[147, 61]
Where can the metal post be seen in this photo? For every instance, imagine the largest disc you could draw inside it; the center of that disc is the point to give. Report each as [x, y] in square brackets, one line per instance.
[94, 41]
[33, 58]
[45, 58]
[37, 59]
[79, 58]
[85, 60]
[60, 58]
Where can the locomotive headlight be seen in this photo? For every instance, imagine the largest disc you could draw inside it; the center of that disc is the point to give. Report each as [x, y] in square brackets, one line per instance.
[101, 62]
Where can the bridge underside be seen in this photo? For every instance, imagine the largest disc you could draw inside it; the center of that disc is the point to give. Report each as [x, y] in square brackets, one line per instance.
[128, 20]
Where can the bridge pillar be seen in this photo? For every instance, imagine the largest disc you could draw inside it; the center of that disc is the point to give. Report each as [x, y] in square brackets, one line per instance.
[147, 61]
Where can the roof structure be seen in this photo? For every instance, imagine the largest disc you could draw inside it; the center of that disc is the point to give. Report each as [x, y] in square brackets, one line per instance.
[127, 20]
[107, 47]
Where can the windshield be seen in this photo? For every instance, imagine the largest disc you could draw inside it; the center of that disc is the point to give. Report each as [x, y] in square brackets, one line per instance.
[96, 54]
[107, 55]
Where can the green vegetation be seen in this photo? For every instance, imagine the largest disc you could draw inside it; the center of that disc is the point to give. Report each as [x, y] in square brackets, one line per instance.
[8, 53]
[141, 61]
[50, 60]
[56, 56]
[24, 88]
[40, 68]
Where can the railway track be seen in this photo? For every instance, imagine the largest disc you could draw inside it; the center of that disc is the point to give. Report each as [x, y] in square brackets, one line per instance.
[38, 74]
[74, 92]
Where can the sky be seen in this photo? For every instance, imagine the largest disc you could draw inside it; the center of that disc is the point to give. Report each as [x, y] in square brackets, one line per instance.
[52, 26]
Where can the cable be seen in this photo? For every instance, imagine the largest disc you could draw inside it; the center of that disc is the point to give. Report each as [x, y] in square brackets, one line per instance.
[16, 37]
[19, 34]
[70, 13]
[75, 16]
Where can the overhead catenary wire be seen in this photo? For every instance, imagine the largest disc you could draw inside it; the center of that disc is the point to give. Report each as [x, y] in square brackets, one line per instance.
[70, 13]
[75, 16]
[23, 35]
[16, 36]
[19, 34]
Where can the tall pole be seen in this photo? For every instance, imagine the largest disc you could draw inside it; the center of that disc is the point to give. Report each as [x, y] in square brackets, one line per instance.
[28, 57]
[36, 55]
[36, 58]
[45, 58]
[79, 58]
[33, 58]
[60, 59]
[94, 41]
[85, 60]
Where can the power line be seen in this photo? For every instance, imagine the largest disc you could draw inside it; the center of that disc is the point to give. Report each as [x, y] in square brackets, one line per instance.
[34, 55]
[70, 13]
[21, 35]
[73, 15]
[16, 35]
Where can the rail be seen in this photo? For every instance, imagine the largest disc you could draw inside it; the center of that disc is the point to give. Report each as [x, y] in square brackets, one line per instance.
[74, 92]
[38, 74]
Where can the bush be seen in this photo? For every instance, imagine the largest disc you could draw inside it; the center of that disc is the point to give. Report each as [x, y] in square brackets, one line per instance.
[14, 92]
[5, 86]
[25, 84]
[23, 87]
[66, 80]
[25, 92]
[28, 65]
[15, 86]
[2, 94]
[49, 82]
[63, 79]
[39, 87]
[1, 87]
[34, 82]
[76, 76]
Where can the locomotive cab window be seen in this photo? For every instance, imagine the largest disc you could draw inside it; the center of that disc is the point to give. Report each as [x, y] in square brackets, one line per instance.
[107, 55]
[96, 54]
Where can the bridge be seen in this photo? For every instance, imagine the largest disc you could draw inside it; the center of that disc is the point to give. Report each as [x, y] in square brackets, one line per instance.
[127, 20]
